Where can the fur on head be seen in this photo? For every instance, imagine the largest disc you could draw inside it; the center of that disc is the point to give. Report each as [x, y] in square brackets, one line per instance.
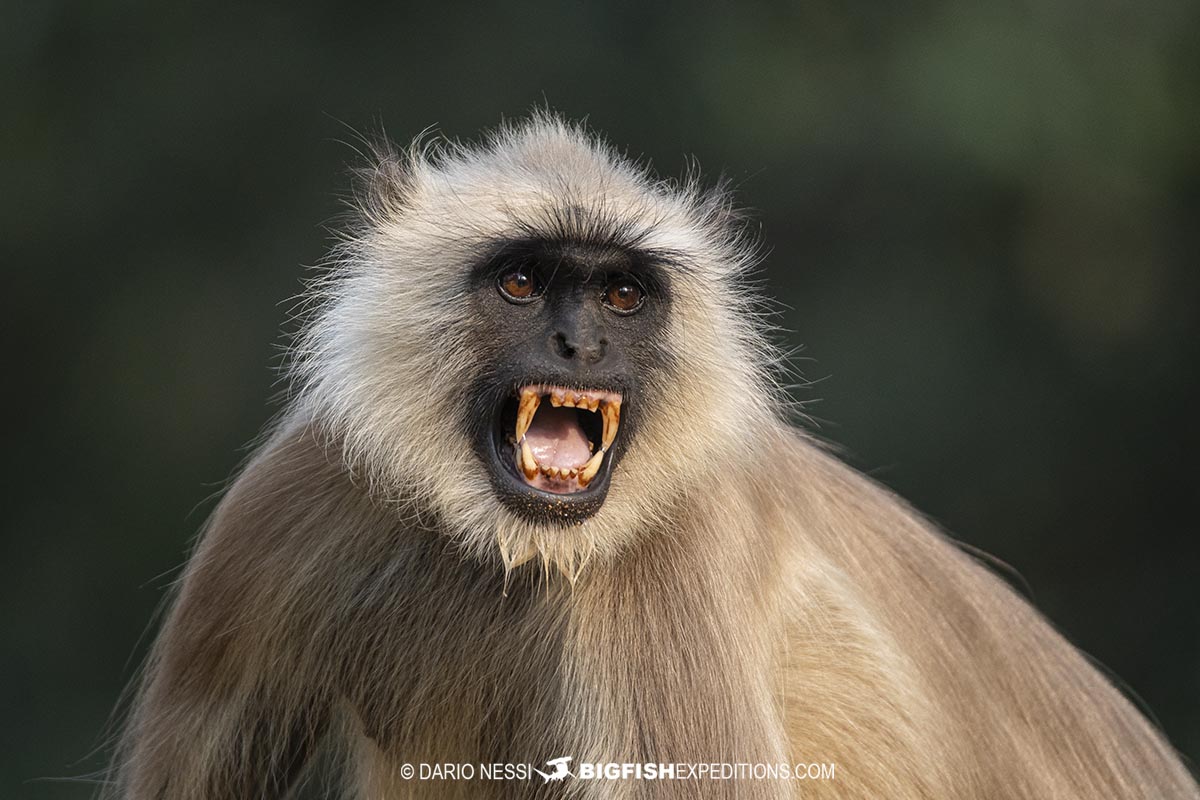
[386, 358]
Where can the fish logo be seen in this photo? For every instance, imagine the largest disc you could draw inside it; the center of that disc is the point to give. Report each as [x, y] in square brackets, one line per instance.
[560, 769]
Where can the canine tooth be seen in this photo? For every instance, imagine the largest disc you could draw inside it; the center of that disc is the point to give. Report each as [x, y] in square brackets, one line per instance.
[590, 469]
[528, 464]
[612, 419]
[530, 400]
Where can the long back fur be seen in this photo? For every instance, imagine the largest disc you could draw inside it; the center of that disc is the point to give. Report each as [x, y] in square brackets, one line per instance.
[746, 598]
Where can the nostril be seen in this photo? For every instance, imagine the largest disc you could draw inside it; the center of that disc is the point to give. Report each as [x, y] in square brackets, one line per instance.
[594, 352]
[563, 347]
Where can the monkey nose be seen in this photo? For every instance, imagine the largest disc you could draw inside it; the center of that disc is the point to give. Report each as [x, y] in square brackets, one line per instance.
[587, 350]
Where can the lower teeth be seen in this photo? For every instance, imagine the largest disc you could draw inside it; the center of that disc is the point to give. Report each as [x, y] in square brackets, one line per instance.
[582, 474]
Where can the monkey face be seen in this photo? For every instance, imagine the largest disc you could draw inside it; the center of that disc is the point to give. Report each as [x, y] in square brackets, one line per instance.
[536, 344]
[580, 326]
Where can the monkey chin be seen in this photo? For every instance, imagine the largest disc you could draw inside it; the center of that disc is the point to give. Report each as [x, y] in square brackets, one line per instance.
[552, 451]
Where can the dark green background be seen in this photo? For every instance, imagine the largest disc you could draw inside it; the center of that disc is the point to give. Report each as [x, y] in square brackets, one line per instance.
[983, 220]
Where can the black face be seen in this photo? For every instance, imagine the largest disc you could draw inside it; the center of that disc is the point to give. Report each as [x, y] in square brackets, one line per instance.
[573, 333]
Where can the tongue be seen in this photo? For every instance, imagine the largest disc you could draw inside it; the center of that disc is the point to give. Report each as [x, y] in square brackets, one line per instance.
[556, 439]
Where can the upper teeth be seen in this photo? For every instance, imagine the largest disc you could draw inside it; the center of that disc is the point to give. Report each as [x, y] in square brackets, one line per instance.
[609, 406]
[562, 397]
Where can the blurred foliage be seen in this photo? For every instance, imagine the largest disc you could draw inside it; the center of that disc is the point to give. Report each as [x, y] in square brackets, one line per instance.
[983, 230]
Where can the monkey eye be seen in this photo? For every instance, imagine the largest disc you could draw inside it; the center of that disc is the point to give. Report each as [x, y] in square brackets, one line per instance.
[624, 295]
[518, 285]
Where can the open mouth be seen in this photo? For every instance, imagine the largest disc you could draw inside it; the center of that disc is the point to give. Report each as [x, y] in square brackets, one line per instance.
[559, 438]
